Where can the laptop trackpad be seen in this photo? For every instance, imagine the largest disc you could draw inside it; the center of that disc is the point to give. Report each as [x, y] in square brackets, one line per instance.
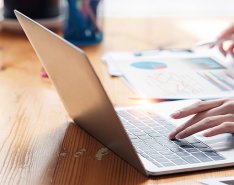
[220, 142]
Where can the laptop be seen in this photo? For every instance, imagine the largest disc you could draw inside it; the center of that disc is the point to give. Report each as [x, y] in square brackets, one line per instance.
[139, 135]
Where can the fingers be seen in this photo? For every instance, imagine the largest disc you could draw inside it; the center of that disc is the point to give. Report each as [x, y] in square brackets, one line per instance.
[197, 118]
[226, 127]
[227, 108]
[204, 124]
[221, 49]
[187, 124]
[226, 33]
[197, 108]
[230, 50]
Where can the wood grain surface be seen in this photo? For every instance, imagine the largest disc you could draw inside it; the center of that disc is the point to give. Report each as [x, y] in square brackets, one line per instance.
[38, 142]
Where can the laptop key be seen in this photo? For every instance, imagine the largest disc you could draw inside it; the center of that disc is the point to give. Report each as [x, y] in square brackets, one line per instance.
[186, 146]
[129, 127]
[140, 152]
[191, 150]
[200, 145]
[149, 130]
[155, 134]
[169, 127]
[161, 160]
[131, 136]
[156, 156]
[211, 154]
[142, 127]
[217, 158]
[166, 132]
[179, 161]
[151, 123]
[202, 157]
[165, 139]
[156, 146]
[173, 156]
[171, 145]
[144, 137]
[178, 142]
[139, 133]
[181, 154]
[153, 115]
[144, 155]
[135, 140]
[190, 159]
[150, 141]
[206, 149]
[133, 111]
[135, 129]
[162, 149]
[192, 140]
[176, 150]
[167, 164]
[159, 128]
[146, 119]
[144, 147]
[166, 152]
[156, 164]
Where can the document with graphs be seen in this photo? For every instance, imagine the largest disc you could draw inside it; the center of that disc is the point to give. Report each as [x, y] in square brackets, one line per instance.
[179, 77]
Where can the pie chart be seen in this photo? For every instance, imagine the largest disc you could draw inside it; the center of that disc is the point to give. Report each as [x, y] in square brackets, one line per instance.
[149, 65]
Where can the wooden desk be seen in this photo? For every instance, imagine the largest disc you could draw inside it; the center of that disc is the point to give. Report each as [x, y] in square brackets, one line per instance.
[38, 144]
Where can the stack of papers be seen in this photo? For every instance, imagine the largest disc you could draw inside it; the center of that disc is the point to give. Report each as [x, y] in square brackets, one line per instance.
[219, 181]
[202, 74]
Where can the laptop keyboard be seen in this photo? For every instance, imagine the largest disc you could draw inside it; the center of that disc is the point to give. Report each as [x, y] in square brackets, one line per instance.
[149, 135]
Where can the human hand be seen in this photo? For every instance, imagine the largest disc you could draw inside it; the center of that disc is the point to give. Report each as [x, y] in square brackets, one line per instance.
[215, 116]
[228, 34]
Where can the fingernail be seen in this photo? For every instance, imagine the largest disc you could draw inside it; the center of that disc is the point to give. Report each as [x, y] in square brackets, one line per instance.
[178, 136]
[206, 134]
[175, 114]
[44, 74]
[170, 136]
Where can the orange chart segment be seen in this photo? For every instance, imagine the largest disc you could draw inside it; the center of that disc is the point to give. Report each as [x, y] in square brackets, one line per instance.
[149, 65]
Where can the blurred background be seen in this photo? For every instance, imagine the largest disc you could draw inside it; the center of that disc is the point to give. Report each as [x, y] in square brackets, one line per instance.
[182, 22]
[143, 8]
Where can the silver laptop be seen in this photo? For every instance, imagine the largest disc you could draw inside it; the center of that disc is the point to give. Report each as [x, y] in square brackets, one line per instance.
[136, 134]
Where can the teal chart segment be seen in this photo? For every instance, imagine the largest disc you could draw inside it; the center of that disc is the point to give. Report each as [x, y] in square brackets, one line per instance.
[149, 65]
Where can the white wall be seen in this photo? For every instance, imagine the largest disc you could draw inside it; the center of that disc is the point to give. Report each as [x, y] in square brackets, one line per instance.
[169, 7]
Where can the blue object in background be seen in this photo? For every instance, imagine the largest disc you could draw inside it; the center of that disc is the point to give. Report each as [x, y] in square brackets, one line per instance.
[81, 27]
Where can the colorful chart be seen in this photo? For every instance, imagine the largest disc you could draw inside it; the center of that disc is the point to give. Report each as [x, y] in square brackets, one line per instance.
[149, 65]
[207, 63]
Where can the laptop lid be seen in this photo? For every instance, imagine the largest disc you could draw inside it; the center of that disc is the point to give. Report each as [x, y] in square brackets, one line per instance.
[80, 89]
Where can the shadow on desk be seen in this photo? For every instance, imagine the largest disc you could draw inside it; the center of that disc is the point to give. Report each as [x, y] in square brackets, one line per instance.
[83, 160]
